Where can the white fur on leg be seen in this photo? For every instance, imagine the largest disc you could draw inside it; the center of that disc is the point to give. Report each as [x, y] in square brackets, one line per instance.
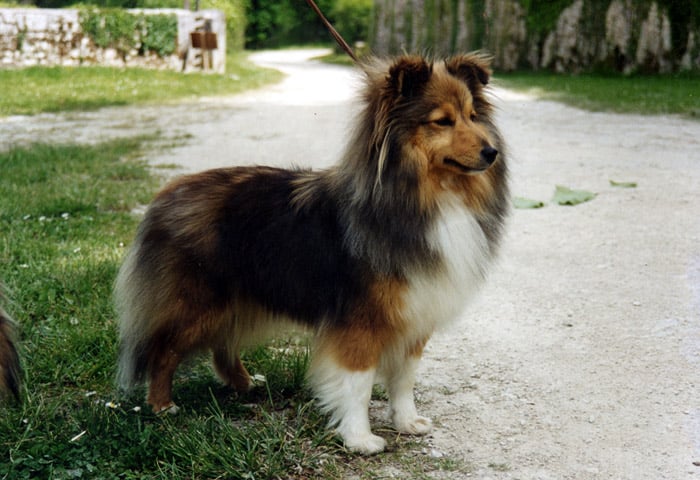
[345, 395]
[402, 408]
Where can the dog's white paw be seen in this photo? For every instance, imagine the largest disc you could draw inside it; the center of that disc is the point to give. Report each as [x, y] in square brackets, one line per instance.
[170, 409]
[365, 444]
[416, 425]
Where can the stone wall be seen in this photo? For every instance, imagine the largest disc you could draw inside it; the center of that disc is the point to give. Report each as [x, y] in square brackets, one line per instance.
[621, 35]
[32, 36]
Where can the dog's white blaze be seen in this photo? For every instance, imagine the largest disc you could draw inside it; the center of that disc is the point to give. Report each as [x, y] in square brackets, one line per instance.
[437, 298]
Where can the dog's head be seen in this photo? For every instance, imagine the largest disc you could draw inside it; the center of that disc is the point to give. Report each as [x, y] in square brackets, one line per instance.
[436, 112]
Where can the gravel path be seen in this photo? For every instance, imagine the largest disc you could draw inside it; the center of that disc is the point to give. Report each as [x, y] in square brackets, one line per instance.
[581, 358]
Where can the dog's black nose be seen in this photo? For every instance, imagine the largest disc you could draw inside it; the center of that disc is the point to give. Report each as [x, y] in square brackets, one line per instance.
[488, 154]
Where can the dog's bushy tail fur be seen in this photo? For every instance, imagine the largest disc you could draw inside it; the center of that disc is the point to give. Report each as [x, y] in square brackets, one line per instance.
[10, 370]
[132, 324]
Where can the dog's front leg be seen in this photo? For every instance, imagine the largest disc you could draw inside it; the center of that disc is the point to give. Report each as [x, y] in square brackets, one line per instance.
[344, 394]
[402, 408]
[351, 414]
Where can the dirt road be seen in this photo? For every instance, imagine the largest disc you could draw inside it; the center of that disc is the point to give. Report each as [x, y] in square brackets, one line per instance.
[581, 358]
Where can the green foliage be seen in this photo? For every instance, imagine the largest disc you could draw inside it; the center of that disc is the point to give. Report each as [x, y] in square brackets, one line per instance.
[113, 28]
[273, 23]
[542, 15]
[124, 31]
[352, 19]
[160, 34]
[269, 22]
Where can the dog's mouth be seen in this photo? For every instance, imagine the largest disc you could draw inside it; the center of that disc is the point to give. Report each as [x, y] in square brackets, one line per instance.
[463, 168]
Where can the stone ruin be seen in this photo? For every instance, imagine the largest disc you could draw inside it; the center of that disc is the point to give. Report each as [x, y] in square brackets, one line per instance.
[48, 37]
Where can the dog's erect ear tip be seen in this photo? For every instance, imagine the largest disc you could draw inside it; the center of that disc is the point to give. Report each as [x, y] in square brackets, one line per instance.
[408, 74]
[410, 62]
[471, 66]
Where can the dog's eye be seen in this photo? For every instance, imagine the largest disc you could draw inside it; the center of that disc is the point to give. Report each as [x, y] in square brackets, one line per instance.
[444, 122]
[473, 116]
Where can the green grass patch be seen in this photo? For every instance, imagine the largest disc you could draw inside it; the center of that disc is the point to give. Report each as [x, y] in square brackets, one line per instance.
[335, 58]
[658, 94]
[52, 89]
[65, 214]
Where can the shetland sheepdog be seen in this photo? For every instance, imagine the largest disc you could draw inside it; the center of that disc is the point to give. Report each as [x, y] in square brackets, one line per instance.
[374, 254]
[10, 370]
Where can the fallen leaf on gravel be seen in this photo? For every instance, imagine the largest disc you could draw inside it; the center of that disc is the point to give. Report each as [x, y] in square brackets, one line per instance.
[520, 202]
[613, 183]
[567, 196]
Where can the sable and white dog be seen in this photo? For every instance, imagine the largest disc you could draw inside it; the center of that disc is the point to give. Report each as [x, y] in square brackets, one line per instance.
[373, 254]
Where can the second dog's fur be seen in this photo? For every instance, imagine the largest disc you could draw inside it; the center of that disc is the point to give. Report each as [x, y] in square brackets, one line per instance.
[373, 254]
[10, 370]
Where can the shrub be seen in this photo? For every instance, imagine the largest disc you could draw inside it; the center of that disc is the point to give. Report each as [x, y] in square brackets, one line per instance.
[124, 31]
[160, 34]
[273, 23]
[352, 19]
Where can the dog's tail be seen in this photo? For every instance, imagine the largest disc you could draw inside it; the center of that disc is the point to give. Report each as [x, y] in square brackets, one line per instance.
[10, 370]
[132, 308]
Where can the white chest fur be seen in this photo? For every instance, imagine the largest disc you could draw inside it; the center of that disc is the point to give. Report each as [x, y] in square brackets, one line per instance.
[439, 297]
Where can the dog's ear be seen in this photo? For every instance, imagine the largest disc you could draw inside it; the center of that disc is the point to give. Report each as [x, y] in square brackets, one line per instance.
[408, 76]
[473, 69]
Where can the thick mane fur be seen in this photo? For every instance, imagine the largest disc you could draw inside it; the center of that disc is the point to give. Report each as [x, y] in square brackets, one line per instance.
[386, 218]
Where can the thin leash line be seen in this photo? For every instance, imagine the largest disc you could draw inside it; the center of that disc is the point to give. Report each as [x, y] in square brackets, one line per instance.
[334, 33]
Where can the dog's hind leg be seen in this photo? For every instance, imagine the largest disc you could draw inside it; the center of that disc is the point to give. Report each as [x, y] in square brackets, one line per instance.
[168, 348]
[160, 388]
[230, 368]
[400, 380]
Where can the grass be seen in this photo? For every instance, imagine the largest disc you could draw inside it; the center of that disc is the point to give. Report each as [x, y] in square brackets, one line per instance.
[52, 89]
[336, 58]
[653, 95]
[66, 217]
